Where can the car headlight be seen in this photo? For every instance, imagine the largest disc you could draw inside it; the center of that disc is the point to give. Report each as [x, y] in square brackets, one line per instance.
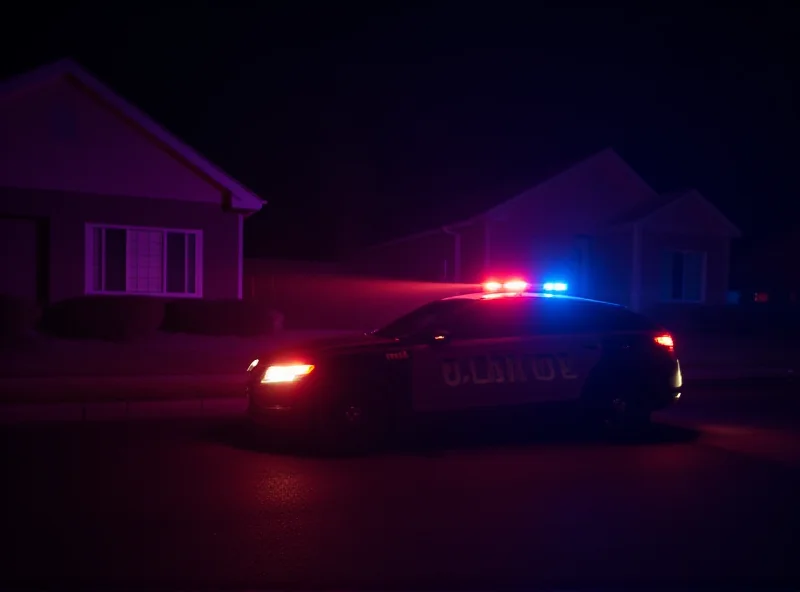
[286, 373]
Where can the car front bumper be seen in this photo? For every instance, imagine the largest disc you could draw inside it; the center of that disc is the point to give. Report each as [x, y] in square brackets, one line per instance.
[278, 406]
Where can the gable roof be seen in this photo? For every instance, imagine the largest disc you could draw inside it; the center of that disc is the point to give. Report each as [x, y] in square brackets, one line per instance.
[671, 199]
[646, 210]
[606, 158]
[240, 196]
[473, 210]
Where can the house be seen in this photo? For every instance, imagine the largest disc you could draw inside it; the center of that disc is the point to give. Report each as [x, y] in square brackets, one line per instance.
[97, 198]
[764, 272]
[596, 226]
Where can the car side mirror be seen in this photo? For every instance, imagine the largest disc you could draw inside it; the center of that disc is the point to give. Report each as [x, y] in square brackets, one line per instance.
[440, 336]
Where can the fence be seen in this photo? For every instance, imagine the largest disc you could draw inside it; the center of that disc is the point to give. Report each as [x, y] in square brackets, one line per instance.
[316, 296]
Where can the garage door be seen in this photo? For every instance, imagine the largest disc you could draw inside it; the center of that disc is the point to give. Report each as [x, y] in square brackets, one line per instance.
[18, 273]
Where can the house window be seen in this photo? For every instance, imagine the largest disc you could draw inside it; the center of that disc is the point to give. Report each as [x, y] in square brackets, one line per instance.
[683, 276]
[146, 261]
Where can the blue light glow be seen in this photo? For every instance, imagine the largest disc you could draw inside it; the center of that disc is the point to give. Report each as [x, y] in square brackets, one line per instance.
[554, 287]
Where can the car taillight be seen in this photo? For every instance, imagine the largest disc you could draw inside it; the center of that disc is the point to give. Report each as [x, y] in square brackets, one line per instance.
[665, 340]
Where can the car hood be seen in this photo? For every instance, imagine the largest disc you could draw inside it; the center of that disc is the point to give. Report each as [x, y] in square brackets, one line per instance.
[339, 344]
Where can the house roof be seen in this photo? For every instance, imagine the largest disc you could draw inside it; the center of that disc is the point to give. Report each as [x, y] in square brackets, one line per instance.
[478, 201]
[241, 197]
[472, 211]
[669, 199]
[646, 210]
[606, 158]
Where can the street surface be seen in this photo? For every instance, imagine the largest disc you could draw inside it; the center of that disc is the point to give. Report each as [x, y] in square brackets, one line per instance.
[193, 504]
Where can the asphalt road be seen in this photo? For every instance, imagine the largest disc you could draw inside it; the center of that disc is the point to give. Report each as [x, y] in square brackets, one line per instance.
[193, 504]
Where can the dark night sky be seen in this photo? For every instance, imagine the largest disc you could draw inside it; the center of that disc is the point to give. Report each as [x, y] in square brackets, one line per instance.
[368, 122]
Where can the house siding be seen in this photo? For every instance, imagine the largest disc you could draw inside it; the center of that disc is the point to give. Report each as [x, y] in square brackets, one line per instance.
[691, 216]
[19, 252]
[473, 253]
[65, 215]
[60, 136]
[429, 257]
[537, 254]
[421, 258]
[610, 273]
[717, 249]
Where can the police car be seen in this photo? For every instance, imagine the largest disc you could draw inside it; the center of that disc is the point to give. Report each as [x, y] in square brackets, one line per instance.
[505, 348]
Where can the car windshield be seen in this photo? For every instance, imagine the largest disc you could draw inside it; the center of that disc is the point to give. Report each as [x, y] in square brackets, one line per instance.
[422, 318]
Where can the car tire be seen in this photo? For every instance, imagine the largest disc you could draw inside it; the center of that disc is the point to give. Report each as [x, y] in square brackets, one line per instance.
[629, 419]
[348, 429]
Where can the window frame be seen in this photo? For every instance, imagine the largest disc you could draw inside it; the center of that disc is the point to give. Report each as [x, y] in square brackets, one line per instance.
[89, 289]
[703, 279]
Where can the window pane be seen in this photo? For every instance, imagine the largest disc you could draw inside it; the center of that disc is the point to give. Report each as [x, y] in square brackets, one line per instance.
[115, 255]
[145, 261]
[191, 264]
[97, 259]
[176, 262]
[693, 276]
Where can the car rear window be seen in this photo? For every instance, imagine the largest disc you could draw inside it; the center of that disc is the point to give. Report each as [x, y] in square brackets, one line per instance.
[591, 317]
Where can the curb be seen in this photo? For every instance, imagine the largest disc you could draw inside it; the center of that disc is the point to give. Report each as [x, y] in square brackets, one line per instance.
[119, 390]
[122, 411]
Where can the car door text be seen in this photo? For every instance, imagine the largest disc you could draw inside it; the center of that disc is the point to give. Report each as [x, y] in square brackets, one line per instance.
[507, 369]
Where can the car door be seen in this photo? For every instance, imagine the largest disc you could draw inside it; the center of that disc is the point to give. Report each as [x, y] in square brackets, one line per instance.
[559, 350]
[510, 351]
[484, 361]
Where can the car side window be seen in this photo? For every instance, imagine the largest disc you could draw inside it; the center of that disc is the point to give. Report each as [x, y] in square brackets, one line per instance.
[490, 319]
[516, 317]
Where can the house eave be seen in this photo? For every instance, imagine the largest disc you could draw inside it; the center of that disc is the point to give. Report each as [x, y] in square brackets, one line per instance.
[244, 198]
[426, 233]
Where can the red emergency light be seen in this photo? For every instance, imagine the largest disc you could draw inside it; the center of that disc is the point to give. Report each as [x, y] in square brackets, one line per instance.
[513, 285]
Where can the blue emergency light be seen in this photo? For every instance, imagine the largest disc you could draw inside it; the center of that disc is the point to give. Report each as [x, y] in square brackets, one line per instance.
[516, 286]
[554, 287]
[513, 285]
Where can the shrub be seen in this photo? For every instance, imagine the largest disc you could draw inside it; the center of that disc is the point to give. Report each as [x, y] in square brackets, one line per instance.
[113, 318]
[222, 317]
[18, 317]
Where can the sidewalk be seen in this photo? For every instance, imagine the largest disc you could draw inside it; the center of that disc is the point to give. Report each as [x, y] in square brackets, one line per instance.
[111, 389]
[110, 398]
[164, 354]
[122, 411]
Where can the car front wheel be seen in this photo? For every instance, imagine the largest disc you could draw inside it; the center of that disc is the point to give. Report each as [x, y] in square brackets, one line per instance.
[627, 417]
